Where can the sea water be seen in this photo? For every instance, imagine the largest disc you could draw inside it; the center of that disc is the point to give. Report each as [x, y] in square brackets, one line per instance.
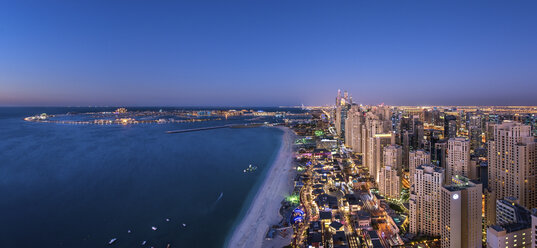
[64, 185]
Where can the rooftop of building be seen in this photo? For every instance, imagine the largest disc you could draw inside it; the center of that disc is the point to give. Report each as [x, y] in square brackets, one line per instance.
[336, 225]
[460, 183]
[523, 215]
[339, 237]
[325, 215]
[509, 228]
[373, 235]
[430, 168]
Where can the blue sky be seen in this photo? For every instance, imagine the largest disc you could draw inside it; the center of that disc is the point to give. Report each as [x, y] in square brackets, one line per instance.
[266, 53]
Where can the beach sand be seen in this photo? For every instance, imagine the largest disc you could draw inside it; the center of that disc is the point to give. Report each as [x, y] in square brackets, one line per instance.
[264, 210]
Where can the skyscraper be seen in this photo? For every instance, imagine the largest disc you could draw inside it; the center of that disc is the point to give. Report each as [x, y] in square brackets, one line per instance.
[450, 126]
[389, 176]
[460, 215]
[342, 106]
[372, 126]
[458, 157]
[393, 156]
[512, 163]
[440, 153]
[375, 152]
[353, 133]
[475, 131]
[424, 212]
[417, 158]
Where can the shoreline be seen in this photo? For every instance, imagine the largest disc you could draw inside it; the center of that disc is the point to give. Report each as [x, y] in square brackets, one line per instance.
[263, 211]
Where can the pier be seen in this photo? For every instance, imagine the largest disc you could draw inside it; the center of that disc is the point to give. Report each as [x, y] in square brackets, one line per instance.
[197, 129]
[250, 125]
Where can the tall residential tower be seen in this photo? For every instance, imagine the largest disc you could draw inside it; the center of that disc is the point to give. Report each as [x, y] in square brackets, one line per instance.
[512, 163]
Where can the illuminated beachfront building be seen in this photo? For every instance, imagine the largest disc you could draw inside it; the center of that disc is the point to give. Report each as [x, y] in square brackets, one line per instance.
[389, 176]
[372, 126]
[353, 133]
[375, 152]
[512, 163]
[458, 157]
[425, 197]
[417, 158]
[460, 214]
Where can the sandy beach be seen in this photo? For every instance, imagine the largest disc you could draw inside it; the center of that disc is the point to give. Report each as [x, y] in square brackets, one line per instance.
[264, 210]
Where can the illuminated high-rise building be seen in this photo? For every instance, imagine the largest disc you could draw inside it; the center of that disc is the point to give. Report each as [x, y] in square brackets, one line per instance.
[458, 157]
[460, 214]
[512, 163]
[372, 126]
[353, 133]
[475, 131]
[340, 116]
[440, 153]
[393, 156]
[417, 158]
[375, 152]
[390, 173]
[450, 126]
[425, 198]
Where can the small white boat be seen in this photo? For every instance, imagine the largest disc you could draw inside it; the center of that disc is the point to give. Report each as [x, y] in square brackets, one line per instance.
[144, 242]
[250, 169]
[168, 220]
[112, 241]
[154, 228]
[184, 225]
[128, 231]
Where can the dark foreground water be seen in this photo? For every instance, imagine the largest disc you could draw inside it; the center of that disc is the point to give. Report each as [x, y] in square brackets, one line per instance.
[82, 185]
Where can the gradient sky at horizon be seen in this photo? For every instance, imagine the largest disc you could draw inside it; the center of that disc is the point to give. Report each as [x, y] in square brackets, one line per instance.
[267, 53]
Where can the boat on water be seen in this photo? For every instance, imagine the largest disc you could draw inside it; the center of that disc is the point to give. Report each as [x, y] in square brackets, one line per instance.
[184, 225]
[144, 242]
[112, 241]
[154, 228]
[220, 196]
[250, 169]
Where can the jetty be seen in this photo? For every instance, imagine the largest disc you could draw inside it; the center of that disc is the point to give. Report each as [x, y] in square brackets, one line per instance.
[249, 125]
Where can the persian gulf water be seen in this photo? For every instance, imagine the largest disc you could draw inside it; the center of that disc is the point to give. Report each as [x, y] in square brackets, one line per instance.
[64, 185]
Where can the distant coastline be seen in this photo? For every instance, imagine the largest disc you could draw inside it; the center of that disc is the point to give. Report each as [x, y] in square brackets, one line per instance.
[263, 211]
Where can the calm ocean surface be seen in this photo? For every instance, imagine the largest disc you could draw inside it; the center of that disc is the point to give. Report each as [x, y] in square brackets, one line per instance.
[82, 185]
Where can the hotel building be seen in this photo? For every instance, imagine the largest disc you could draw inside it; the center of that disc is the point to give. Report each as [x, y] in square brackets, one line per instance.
[512, 163]
[460, 215]
[424, 212]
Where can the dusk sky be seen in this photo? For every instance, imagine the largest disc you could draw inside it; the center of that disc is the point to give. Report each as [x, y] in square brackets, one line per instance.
[267, 53]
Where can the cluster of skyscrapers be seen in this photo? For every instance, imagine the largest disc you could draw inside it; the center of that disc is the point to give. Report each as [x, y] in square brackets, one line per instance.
[466, 174]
